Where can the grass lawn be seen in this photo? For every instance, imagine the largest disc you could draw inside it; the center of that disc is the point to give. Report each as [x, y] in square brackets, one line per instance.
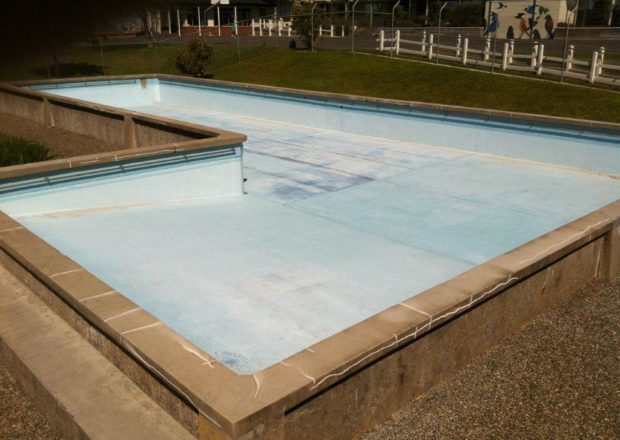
[344, 72]
[17, 151]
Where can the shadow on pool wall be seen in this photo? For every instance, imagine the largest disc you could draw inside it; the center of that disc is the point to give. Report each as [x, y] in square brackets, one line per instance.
[350, 380]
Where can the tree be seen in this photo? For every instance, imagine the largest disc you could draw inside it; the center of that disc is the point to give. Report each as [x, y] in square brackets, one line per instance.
[304, 21]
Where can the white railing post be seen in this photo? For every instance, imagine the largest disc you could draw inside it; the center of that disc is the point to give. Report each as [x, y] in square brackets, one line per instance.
[465, 49]
[260, 27]
[505, 56]
[569, 58]
[331, 31]
[423, 41]
[397, 43]
[430, 47]
[458, 45]
[511, 50]
[534, 56]
[280, 28]
[487, 48]
[593, 65]
[342, 28]
[381, 40]
[253, 27]
[601, 60]
[539, 59]
[289, 31]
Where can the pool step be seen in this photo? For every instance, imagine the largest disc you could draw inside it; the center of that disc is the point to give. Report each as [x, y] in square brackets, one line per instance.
[79, 391]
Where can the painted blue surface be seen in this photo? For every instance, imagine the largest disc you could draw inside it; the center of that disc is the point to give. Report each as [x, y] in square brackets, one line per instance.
[566, 146]
[334, 227]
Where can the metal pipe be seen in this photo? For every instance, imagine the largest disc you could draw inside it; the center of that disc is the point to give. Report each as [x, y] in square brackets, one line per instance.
[439, 30]
[353, 26]
[312, 27]
[393, 41]
[575, 5]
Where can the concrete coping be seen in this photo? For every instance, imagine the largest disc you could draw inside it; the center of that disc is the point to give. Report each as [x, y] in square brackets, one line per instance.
[236, 403]
[201, 137]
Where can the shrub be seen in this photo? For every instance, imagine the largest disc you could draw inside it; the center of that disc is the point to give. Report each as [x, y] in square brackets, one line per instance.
[195, 58]
[17, 151]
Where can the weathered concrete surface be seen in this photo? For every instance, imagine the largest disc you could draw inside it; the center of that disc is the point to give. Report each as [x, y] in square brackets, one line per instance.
[80, 392]
[557, 378]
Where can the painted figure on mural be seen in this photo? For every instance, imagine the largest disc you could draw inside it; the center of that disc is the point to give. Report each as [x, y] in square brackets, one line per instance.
[523, 27]
[549, 27]
[493, 25]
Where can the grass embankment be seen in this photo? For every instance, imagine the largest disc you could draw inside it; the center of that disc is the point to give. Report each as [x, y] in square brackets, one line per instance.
[17, 151]
[344, 72]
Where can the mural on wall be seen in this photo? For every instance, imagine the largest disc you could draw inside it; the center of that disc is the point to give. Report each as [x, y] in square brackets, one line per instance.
[524, 19]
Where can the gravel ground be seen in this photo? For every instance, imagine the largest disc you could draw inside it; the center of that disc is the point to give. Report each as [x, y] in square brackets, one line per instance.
[19, 419]
[60, 142]
[558, 378]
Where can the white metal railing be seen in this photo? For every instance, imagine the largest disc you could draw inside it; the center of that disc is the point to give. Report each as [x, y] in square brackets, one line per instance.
[271, 26]
[593, 71]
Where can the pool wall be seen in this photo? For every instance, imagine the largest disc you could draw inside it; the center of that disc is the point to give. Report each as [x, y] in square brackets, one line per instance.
[505, 134]
[346, 383]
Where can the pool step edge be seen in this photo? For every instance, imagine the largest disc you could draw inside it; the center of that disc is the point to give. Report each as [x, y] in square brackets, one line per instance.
[80, 392]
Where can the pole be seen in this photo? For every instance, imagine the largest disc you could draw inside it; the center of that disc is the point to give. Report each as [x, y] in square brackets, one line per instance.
[312, 27]
[533, 18]
[575, 5]
[353, 26]
[439, 30]
[237, 35]
[199, 27]
[219, 23]
[393, 41]
[178, 22]
[169, 23]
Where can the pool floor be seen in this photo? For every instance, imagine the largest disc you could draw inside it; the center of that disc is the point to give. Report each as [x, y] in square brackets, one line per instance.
[333, 229]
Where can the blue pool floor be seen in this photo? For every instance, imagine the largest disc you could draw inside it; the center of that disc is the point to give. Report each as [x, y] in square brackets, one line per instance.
[333, 228]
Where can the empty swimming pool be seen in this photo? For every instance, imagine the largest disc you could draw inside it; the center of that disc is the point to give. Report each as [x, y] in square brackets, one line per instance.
[309, 279]
[333, 227]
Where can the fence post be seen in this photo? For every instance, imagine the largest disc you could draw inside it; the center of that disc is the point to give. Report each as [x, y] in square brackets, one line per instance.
[487, 48]
[397, 37]
[423, 41]
[569, 59]
[465, 49]
[505, 56]
[331, 31]
[279, 28]
[540, 59]
[534, 56]
[511, 50]
[253, 31]
[260, 27]
[289, 31]
[458, 45]
[321, 31]
[342, 35]
[430, 47]
[381, 40]
[601, 60]
[593, 65]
